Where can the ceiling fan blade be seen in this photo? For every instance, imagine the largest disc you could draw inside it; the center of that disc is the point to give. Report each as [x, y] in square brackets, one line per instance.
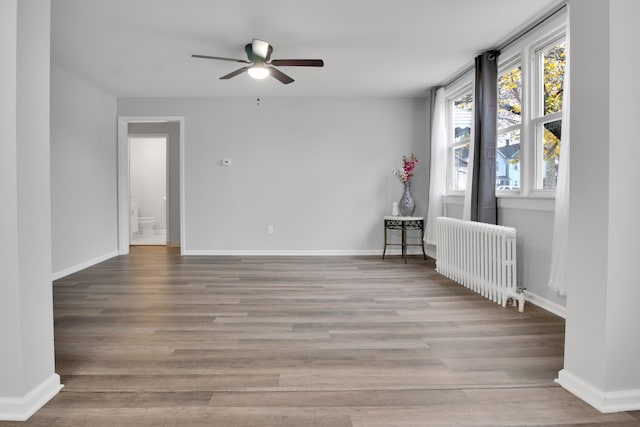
[220, 58]
[260, 48]
[234, 73]
[298, 62]
[282, 77]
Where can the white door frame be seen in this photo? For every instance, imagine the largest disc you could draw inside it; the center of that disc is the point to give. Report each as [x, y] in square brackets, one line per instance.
[123, 176]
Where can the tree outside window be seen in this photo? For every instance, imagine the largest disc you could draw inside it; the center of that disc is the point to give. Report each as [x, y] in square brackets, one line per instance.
[509, 128]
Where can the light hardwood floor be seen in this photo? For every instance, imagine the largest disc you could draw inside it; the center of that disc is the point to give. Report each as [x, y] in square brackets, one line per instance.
[153, 338]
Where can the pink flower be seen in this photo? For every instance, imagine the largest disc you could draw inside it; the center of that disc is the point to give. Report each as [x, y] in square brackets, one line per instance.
[408, 165]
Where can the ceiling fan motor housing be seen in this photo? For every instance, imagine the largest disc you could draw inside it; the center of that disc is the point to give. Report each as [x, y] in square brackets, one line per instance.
[256, 57]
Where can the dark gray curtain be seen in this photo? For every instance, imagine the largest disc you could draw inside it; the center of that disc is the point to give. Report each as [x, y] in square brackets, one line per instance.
[484, 205]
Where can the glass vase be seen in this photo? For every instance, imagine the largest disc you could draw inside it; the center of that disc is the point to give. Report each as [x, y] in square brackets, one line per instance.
[406, 205]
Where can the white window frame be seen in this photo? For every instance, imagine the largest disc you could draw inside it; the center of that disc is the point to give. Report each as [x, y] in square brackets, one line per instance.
[538, 118]
[524, 51]
[464, 85]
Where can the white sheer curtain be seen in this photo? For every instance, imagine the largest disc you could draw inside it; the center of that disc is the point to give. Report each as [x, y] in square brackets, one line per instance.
[466, 207]
[560, 245]
[438, 175]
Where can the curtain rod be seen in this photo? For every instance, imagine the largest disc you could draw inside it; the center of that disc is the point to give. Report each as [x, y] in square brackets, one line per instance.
[508, 42]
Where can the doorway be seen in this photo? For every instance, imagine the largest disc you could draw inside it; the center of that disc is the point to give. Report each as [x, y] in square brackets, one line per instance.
[172, 129]
[148, 220]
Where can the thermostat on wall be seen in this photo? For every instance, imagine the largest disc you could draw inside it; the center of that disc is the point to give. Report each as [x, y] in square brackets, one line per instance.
[226, 162]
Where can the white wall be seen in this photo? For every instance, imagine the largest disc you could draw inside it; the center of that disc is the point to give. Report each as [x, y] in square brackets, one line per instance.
[533, 219]
[27, 377]
[34, 227]
[623, 276]
[588, 252]
[172, 129]
[318, 170]
[83, 172]
[603, 321]
[148, 177]
[10, 372]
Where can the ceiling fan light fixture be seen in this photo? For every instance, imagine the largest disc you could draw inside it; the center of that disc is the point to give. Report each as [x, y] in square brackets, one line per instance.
[258, 72]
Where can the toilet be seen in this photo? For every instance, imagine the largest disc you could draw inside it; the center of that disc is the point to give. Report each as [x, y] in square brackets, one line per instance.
[146, 224]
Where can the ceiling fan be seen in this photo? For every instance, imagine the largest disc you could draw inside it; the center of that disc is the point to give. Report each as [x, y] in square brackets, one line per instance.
[259, 55]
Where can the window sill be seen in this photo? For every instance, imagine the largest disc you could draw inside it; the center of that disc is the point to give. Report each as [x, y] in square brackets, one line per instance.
[542, 203]
[539, 201]
[454, 198]
[536, 194]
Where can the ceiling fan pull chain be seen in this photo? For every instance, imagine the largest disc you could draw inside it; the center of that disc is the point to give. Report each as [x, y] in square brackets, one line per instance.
[258, 91]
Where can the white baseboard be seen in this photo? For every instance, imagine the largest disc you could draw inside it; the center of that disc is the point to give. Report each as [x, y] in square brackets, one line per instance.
[86, 264]
[603, 401]
[431, 250]
[548, 305]
[249, 252]
[21, 408]
[338, 252]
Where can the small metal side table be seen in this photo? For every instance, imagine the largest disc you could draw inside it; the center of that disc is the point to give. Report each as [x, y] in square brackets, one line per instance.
[404, 223]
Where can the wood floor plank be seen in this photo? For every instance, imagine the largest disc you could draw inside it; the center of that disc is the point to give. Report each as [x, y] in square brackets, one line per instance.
[146, 383]
[154, 338]
[337, 399]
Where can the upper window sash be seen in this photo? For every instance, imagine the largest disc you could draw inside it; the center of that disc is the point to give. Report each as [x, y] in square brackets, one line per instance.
[510, 91]
[546, 46]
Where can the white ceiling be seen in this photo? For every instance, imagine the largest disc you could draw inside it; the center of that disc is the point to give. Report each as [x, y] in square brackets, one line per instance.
[372, 48]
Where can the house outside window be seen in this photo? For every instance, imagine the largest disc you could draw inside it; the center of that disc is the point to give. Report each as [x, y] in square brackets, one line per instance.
[459, 124]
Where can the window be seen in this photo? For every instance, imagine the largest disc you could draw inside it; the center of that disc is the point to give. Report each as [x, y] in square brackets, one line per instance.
[549, 60]
[459, 118]
[529, 114]
[530, 88]
[509, 127]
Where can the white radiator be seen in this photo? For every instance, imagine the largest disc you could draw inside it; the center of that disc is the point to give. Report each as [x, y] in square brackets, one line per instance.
[481, 257]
